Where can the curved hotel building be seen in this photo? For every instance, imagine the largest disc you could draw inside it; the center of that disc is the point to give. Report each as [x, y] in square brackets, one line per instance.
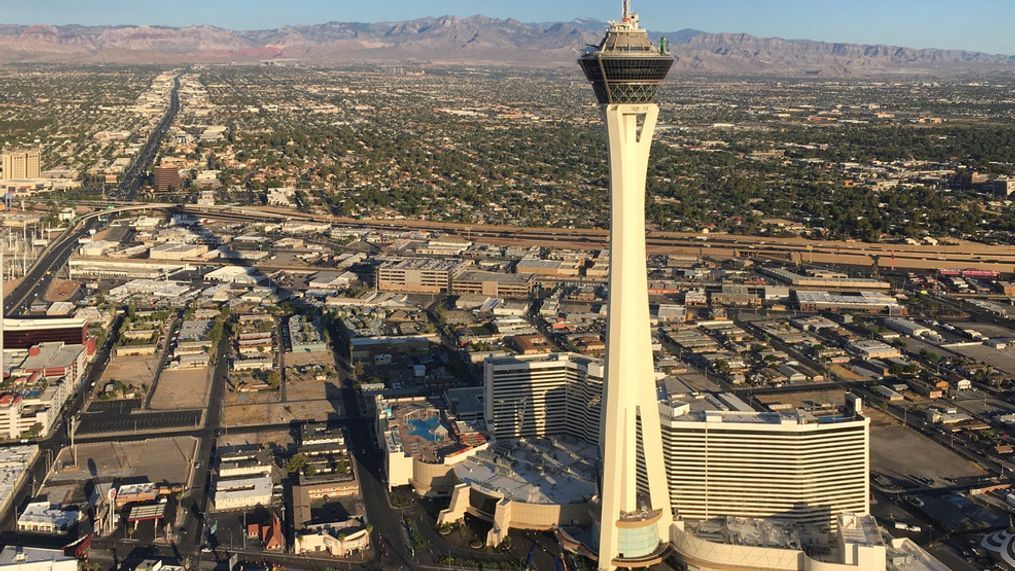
[793, 465]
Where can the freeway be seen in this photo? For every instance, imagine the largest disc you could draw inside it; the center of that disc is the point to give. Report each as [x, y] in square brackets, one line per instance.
[966, 255]
[796, 250]
[55, 256]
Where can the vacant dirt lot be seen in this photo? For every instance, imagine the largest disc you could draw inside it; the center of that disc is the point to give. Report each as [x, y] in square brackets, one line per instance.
[11, 285]
[158, 459]
[304, 358]
[244, 399]
[131, 370]
[243, 415]
[900, 451]
[311, 390]
[267, 438]
[182, 388]
[61, 290]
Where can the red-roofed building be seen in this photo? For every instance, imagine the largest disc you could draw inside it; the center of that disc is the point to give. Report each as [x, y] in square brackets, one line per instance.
[55, 360]
[270, 535]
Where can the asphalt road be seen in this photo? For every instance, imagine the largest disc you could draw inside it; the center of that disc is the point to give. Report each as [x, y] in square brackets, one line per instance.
[195, 502]
[39, 276]
[135, 174]
[54, 257]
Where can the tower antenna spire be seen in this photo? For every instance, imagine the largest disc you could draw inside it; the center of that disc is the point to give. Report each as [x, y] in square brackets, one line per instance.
[626, 8]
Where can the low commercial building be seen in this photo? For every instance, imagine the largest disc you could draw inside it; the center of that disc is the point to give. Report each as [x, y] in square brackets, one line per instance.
[368, 349]
[824, 279]
[887, 393]
[443, 248]
[908, 327]
[158, 565]
[44, 517]
[151, 289]
[139, 493]
[244, 461]
[177, 251]
[242, 493]
[306, 335]
[339, 539]
[868, 302]
[240, 275]
[97, 248]
[465, 403]
[736, 295]
[331, 281]
[16, 557]
[121, 269]
[569, 267]
[873, 349]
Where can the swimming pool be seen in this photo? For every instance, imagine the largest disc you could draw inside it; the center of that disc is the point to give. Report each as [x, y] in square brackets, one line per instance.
[424, 427]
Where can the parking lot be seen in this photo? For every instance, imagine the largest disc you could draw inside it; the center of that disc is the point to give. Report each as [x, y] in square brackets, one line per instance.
[904, 453]
[1003, 361]
[120, 417]
[110, 460]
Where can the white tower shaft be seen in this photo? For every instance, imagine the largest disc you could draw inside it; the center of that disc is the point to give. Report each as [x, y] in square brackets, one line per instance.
[3, 312]
[630, 393]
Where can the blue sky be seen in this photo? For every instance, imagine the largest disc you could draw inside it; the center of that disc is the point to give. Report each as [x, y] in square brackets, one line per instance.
[981, 25]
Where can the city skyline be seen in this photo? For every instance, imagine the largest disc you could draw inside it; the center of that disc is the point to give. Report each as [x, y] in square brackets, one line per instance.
[933, 24]
[415, 295]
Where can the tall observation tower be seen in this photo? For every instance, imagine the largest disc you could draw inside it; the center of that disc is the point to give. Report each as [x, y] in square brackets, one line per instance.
[626, 70]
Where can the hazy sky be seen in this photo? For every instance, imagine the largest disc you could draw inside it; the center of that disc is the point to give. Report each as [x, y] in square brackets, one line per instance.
[981, 25]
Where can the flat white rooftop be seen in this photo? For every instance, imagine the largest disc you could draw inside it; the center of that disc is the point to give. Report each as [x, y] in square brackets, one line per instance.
[748, 531]
[537, 470]
[253, 486]
[15, 556]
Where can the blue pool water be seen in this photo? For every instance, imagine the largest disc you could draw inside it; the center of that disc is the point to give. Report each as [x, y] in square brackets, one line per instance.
[424, 428]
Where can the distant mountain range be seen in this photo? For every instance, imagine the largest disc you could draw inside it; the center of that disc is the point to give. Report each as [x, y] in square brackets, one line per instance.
[476, 39]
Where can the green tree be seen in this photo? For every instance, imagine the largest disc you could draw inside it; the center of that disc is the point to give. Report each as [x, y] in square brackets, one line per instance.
[295, 463]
